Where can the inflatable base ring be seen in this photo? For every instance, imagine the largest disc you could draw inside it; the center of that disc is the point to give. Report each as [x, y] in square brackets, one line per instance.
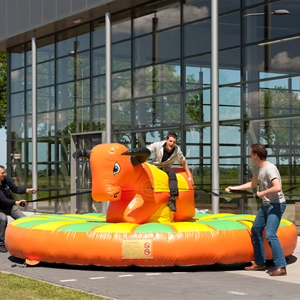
[88, 239]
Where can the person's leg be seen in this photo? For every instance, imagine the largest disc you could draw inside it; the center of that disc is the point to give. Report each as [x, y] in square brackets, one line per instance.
[173, 186]
[274, 216]
[3, 224]
[16, 212]
[257, 235]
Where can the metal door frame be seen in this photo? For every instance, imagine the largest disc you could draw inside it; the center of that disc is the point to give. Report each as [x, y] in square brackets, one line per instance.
[74, 144]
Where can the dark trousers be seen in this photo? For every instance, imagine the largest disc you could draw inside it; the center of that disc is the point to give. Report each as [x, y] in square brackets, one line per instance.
[14, 212]
[172, 182]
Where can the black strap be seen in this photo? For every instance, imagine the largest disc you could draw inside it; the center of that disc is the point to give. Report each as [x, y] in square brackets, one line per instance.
[58, 196]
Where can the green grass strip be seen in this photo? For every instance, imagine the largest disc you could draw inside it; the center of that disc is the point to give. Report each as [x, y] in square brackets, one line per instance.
[15, 287]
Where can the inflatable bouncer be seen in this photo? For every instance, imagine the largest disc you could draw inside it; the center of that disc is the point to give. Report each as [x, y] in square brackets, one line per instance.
[139, 228]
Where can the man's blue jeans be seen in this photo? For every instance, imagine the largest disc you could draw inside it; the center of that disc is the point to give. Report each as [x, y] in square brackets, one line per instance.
[269, 216]
[14, 212]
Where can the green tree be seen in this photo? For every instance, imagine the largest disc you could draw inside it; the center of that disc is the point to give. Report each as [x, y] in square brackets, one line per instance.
[3, 77]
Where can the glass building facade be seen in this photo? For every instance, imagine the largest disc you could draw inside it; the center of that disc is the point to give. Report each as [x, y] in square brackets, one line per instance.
[161, 82]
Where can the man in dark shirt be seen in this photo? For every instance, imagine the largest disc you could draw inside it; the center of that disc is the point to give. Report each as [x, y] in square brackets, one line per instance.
[7, 205]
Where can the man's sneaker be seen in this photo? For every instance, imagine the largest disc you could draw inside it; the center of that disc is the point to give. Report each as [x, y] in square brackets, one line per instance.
[172, 204]
[3, 249]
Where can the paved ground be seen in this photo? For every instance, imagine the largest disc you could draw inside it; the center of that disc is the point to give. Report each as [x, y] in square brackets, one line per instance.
[170, 283]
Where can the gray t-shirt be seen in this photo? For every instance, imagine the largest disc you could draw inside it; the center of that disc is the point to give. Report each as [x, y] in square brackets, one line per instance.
[265, 176]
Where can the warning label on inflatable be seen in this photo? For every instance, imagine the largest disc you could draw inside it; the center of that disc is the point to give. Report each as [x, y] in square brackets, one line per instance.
[137, 249]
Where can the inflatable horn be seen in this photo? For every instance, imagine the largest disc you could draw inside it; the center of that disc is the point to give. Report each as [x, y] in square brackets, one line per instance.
[84, 153]
[138, 155]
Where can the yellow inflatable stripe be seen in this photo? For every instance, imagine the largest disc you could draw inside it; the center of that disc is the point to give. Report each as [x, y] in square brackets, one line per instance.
[216, 216]
[161, 181]
[86, 217]
[27, 219]
[286, 222]
[247, 223]
[54, 225]
[188, 227]
[162, 215]
[118, 227]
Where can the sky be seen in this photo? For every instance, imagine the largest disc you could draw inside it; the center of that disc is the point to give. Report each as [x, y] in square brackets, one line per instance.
[3, 143]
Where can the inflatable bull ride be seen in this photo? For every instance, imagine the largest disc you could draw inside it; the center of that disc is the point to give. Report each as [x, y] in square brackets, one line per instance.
[139, 228]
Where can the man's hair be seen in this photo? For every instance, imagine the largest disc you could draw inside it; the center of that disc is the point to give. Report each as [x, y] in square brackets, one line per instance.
[172, 134]
[1, 167]
[260, 150]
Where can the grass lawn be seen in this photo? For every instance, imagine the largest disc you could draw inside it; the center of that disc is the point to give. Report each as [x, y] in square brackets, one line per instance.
[13, 287]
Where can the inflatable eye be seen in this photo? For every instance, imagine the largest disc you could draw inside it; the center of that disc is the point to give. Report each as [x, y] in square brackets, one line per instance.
[117, 168]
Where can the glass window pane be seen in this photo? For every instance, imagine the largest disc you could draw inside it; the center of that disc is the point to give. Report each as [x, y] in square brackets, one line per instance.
[17, 57]
[17, 80]
[65, 95]
[29, 102]
[261, 62]
[17, 104]
[121, 115]
[278, 25]
[98, 33]
[121, 86]
[121, 56]
[66, 122]
[168, 45]
[29, 78]
[83, 92]
[28, 54]
[99, 61]
[98, 89]
[197, 72]
[143, 52]
[70, 68]
[230, 98]
[152, 17]
[148, 112]
[230, 134]
[121, 29]
[76, 40]
[45, 74]
[229, 66]
[197, 38]
[171, 109]
[46, 124]
[45, 153]
[18, 153]
[46, 177]
[17, 126]
[194, 10]
[163, 78]
[18, 174]
[66, 69]
[197, 106]
[123, 138]
[64, 150]
[155, 111]
[98, 117]
[64, 179]
[45, 99]
[229, 30]
[29, 126]
[45, 48]
[251, 2]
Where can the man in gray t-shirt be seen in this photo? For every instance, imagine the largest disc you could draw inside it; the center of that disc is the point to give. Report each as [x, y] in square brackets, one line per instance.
[265, 177]
[269, 215]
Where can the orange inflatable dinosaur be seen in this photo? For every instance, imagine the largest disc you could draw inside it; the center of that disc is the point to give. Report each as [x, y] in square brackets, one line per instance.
[138, 192]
